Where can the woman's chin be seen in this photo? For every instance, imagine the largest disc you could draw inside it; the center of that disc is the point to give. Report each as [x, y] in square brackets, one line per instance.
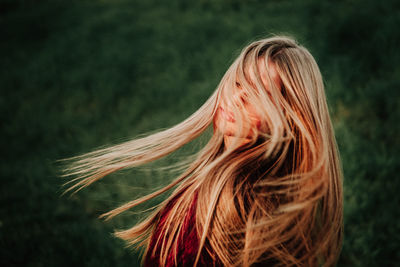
[235, 141]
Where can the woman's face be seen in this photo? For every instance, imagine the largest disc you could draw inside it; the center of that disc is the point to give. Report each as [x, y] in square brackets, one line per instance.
[225, 121]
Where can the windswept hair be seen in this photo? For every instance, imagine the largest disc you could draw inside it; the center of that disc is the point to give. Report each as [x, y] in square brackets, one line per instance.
[277, 198]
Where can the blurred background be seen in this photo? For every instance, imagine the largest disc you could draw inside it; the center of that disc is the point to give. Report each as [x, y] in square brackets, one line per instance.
[76, 75]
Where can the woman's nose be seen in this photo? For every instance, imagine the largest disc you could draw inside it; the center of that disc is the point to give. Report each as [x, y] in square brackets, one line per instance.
[239, 98]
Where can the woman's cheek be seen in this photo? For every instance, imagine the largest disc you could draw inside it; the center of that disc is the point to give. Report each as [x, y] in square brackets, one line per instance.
[223, 125]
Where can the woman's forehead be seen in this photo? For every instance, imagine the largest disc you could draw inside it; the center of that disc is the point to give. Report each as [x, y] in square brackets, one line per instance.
[263, 70]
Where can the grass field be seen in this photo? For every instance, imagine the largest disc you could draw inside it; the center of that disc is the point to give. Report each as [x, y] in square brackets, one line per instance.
[76, 75]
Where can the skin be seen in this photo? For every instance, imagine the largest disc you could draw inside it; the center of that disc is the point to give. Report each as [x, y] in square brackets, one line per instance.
[224, 120]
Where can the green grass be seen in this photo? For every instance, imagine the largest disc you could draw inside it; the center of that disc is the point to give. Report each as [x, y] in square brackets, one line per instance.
[76, 75]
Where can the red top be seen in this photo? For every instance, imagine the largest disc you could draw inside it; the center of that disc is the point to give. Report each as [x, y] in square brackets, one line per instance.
[188, 242]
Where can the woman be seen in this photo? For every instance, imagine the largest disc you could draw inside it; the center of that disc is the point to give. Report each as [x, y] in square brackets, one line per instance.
[266, 189]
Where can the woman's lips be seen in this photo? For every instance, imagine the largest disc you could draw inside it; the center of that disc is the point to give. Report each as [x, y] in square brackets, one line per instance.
[228, 116]
[226, 123]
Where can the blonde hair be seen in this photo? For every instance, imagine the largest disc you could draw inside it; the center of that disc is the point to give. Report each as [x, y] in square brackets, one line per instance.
[277, 197]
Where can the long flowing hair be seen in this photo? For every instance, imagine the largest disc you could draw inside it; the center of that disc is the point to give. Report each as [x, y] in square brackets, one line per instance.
[277, 197]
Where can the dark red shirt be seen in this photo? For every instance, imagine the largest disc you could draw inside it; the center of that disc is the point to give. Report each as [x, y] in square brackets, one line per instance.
[188, 242]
